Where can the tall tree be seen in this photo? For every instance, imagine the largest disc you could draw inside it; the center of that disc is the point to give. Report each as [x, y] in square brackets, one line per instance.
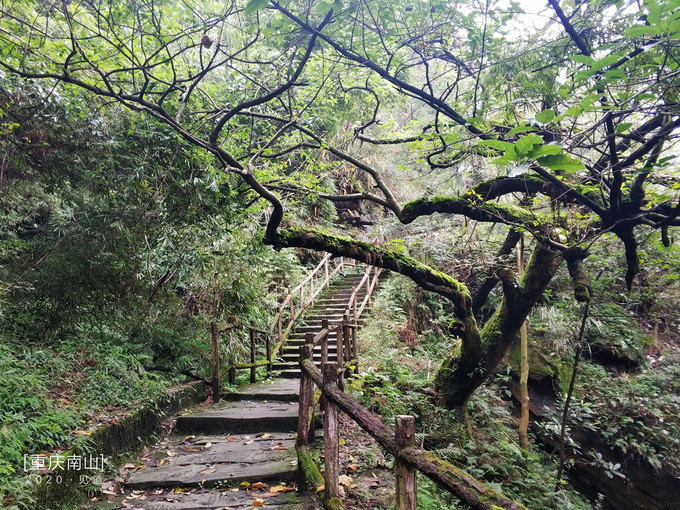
[578, 119]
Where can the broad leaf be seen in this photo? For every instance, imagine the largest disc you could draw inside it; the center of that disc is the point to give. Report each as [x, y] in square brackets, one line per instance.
[545, 116]
[561, 162]
[255, 5]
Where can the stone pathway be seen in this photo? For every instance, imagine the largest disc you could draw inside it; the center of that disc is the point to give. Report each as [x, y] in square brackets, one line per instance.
[234, 455]
[239, 453]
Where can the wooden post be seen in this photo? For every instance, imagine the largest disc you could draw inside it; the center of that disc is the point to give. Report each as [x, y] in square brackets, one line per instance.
[306, 402]
[279, 328]
[355, 350]
[331, 436]
[354, 311]
[326, 270]
[324, 342]
[311, 291]
[302, 297]
[215, 348]
[232, 372]
[253, 370]
[341, 356]
[268, 346]
[405, 436]
[342, 264]
[292, 311]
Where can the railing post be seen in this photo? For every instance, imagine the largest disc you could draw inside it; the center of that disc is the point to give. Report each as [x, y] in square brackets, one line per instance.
[342, 264]
[354, 312]
[215, 348]
[405, 436]
[311, 291]
[306, 402]
[279, 329]
[331, 436]
[355, 350]
[268, 346]
[324, 342]
[341, 356]
[253, 369]
[348, 343]
[302, 297]
[326, 270]
[292, 311]
[232, 372]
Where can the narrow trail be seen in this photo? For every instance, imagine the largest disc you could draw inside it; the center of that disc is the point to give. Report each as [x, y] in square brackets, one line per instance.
[239, 453]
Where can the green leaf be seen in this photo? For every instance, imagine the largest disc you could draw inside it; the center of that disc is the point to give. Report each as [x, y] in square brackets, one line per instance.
[561, 162]
[323, 7]
[526, 143]
[623, 127]
[583, 59]
[498, 144]
[255, 5]
[522, 129]
[643, 30]
[545, 116]
[545, 150]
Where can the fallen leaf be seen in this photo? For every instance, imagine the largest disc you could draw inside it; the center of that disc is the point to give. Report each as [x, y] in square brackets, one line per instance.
[232, 438]
[178, 491]
[82, 432]
[342, 442]
[321, 488]
[352, 468]
[249, 442]
[259, 485]
[129, 465]
[207, 445]
[278, 447]
[245, 484]
[345, 480]
[263, 435]
[281, 488]
[258, 503]
[208, 471]
[192, 450]
[171, 453]
[293, 462]
[189, 437]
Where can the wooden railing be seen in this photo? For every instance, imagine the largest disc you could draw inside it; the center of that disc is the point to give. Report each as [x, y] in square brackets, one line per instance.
[401, 444]
[289, 311]
[369, 283]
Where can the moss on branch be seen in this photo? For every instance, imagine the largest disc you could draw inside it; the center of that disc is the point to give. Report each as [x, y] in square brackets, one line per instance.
[429, 278]
[471, 205]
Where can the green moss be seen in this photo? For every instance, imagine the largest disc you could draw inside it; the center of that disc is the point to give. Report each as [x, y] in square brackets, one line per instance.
[311, 478]
[380, 257]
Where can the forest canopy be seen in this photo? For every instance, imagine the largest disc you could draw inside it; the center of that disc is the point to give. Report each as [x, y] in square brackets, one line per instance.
[564, 131]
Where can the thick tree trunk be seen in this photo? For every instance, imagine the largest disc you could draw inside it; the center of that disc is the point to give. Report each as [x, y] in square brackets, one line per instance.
[464, 371]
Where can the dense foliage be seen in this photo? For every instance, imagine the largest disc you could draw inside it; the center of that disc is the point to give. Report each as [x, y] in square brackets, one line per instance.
[151, 150]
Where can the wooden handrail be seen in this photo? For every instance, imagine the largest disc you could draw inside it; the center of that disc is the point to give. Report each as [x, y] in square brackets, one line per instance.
[476, 494]
[277, 328]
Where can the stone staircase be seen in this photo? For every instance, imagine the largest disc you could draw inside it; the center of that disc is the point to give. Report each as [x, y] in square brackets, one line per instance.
[330, 305]
[239, 453]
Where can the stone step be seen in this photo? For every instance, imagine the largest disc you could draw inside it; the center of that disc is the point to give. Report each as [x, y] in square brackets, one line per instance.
[212, 500]
[219, 458]
[240, 417]
[276, 390]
